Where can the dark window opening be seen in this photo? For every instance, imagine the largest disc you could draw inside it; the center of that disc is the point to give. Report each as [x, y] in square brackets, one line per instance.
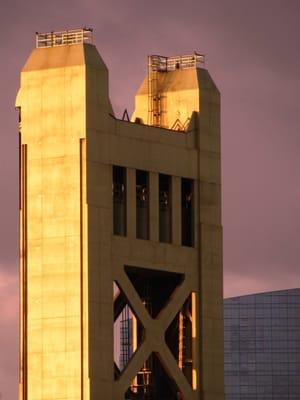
[165, 210]
[154, 287]
[119, 200]
[142, 204]
[187, 212]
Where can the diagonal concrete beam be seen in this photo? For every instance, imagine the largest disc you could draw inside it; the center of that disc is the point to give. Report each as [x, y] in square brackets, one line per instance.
[154, 337]
[134, 299]
[132, 368]
[170, 365]
[117, 372]
[119, 303]
[177, 300]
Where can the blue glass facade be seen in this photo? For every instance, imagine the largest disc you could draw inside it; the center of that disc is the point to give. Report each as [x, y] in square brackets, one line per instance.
[262, 346]
[126, 345]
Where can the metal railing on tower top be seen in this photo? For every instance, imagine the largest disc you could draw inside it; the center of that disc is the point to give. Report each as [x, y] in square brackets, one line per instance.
[165, 64]
[62, 38]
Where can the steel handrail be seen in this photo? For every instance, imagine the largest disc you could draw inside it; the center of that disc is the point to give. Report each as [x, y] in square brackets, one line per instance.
[63, 38]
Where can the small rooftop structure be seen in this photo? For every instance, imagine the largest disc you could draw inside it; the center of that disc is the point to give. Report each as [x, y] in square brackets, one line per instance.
[62, 38]
[158, 63]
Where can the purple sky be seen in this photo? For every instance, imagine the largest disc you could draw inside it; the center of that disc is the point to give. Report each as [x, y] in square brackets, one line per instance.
[252, 50]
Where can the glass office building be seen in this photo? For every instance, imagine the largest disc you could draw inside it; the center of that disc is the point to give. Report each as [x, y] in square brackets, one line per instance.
[262, 346]
[126, 345]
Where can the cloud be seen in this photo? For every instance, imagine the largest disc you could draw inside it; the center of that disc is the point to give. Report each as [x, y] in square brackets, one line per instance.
[9, 296]
[239, 284]
[9, 334]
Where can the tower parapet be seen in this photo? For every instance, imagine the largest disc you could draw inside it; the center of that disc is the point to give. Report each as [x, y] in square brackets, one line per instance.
[169, 93]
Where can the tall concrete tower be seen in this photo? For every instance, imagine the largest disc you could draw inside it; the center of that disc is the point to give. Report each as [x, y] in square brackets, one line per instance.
[119, 215]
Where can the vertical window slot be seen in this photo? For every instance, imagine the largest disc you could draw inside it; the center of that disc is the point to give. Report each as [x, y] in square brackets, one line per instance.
[142, 204]
[119, 200]
[187, 212]
[165, 210]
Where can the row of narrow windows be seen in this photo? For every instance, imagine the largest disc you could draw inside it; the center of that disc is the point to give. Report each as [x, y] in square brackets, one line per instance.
[143, 206]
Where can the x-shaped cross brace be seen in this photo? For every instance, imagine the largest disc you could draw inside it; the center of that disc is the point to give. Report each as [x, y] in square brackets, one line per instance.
[154, 340]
